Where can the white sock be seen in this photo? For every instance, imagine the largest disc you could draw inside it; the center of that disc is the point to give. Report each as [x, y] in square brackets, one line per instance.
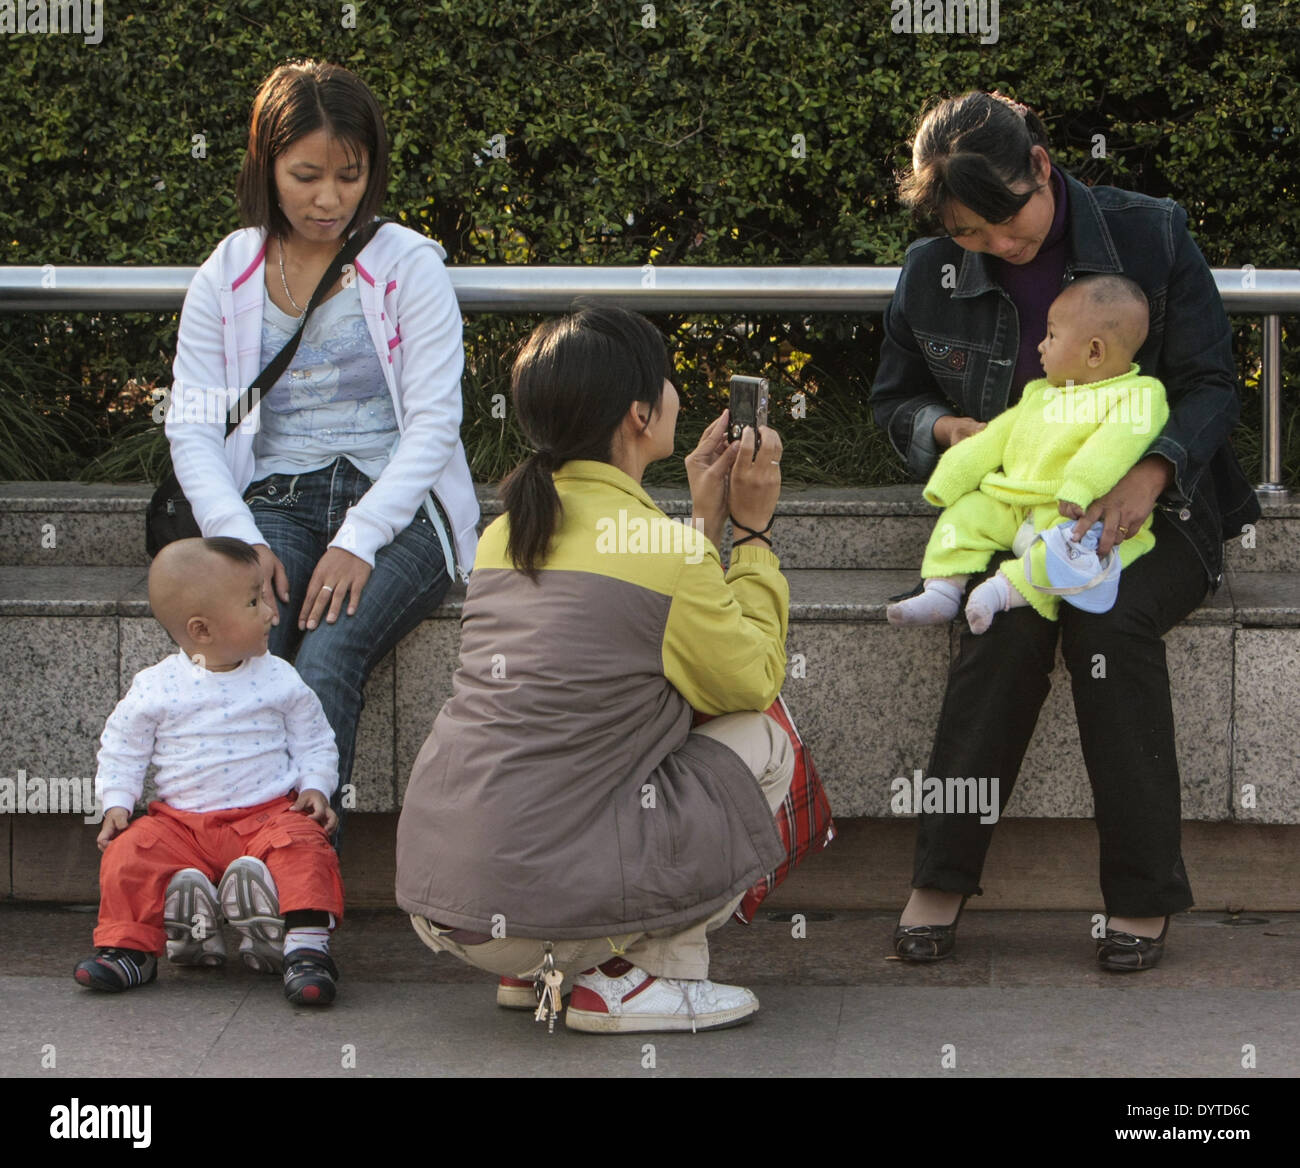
[995, 595]
[309, 937]
[937, 604]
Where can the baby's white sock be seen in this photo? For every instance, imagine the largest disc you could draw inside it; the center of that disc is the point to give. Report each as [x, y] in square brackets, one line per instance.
[938, 603]
[995, 595]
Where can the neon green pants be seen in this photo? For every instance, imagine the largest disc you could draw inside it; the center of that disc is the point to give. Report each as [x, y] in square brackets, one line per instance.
[978, 524]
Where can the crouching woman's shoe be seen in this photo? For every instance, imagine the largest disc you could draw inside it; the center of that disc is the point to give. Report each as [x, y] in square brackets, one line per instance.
[927, 942]
[1124, 952]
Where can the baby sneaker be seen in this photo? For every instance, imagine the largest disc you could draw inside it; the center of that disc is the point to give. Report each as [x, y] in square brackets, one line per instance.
[250, 902]
[309, 977]
[192, 920]
[619, 998]
[114, 970]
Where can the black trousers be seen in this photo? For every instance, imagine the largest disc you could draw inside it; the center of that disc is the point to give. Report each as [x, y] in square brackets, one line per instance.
[996, 687]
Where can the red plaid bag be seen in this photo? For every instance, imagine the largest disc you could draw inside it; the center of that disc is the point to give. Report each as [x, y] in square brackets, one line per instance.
[804, 819]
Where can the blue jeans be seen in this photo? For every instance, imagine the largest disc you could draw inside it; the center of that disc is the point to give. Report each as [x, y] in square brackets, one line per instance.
[298, 515]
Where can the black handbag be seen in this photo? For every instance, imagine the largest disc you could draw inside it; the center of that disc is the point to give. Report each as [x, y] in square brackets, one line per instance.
[169, 516]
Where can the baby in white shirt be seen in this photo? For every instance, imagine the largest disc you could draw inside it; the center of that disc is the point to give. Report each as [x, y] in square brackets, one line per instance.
[246, 766]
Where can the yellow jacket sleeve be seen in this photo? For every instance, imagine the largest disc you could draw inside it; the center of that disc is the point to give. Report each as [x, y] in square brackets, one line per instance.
[724, 643]
[962, 466]
[1111, 452]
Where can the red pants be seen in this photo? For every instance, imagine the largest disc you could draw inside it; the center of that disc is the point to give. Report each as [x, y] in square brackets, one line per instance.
[138, 864]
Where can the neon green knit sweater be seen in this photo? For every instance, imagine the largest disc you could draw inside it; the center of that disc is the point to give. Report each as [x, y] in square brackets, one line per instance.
[1072, 443]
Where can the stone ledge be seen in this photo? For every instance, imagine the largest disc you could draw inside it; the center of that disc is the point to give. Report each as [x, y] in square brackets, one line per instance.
[845, 528]
[796, 499]
[106, 591]
[1037, 864]
[866, 696]
[1250, 599]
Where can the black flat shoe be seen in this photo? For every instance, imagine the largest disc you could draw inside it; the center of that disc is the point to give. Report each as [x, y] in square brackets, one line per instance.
[927, 942]
[1124, 952]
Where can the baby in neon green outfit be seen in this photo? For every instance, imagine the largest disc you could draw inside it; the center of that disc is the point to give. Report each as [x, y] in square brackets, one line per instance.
[1072, 436]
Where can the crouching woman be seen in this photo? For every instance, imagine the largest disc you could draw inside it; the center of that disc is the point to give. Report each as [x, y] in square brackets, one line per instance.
[563, 817]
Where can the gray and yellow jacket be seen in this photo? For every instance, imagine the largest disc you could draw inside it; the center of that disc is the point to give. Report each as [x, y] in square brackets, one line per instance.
[560, 794]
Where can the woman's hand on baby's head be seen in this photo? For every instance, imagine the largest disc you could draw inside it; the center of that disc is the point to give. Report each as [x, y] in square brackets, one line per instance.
[315, 806]
[275, 580]
[115, 822]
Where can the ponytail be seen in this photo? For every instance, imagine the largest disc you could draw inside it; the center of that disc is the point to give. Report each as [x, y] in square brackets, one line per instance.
[573, 382]
[533, 505]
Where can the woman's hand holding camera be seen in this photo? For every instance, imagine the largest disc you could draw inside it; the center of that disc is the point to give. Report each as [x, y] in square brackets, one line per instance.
[707, 469]
[725, 477]
[755, 482]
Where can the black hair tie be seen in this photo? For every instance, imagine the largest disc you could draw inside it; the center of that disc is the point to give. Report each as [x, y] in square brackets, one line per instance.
[750, 533]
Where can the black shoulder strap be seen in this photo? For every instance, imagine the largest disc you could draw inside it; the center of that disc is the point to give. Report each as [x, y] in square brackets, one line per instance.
[280, 362]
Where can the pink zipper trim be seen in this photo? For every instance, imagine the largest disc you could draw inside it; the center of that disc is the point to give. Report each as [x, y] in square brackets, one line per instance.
[250, 269]
[367, 276]
[397, 338]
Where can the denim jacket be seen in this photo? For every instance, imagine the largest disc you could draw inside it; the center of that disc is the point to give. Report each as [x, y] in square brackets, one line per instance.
[952, 335]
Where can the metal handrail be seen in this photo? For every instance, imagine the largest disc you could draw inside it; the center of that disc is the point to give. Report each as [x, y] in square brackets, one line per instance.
[673, 288]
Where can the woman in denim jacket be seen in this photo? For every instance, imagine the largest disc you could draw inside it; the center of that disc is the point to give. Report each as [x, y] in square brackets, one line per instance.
[348, 475]
[961, 336]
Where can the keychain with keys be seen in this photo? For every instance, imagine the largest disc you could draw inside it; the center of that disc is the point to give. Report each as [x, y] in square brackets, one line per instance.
[546, 984]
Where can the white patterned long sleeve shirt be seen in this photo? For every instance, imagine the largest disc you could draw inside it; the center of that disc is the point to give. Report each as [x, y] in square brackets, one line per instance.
[219, 740]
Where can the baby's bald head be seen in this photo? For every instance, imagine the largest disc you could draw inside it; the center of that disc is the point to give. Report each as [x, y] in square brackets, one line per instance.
[1112, 307]
[192, 577]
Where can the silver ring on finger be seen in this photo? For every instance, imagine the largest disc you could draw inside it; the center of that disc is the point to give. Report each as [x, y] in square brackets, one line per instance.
[327, 587]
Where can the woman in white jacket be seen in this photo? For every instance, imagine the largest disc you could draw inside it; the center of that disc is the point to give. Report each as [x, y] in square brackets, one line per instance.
[348, 475]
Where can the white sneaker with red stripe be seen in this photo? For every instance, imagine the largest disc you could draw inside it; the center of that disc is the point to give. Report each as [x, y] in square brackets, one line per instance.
[519, 993]
[619, 998]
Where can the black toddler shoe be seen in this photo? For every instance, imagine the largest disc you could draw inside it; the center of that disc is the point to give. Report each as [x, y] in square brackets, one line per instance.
[309, 977]
[114, 970]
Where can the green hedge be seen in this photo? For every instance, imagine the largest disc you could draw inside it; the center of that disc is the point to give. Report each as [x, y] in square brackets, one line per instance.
[622, 144]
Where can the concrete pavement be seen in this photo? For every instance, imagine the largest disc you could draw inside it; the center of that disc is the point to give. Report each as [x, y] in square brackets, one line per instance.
[1021, 997]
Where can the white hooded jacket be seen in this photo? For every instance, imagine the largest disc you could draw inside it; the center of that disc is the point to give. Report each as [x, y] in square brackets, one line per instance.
[415, 324]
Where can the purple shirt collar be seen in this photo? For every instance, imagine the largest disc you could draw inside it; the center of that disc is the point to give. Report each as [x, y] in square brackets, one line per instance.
[1033, 286]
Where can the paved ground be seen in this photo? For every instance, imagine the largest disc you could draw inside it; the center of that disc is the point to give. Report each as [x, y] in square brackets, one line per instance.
[1020, 998]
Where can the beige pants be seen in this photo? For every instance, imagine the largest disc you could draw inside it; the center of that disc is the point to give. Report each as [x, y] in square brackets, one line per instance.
[676, 952]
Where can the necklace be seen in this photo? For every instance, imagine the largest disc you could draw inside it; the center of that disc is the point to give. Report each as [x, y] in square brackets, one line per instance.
[284, 280]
